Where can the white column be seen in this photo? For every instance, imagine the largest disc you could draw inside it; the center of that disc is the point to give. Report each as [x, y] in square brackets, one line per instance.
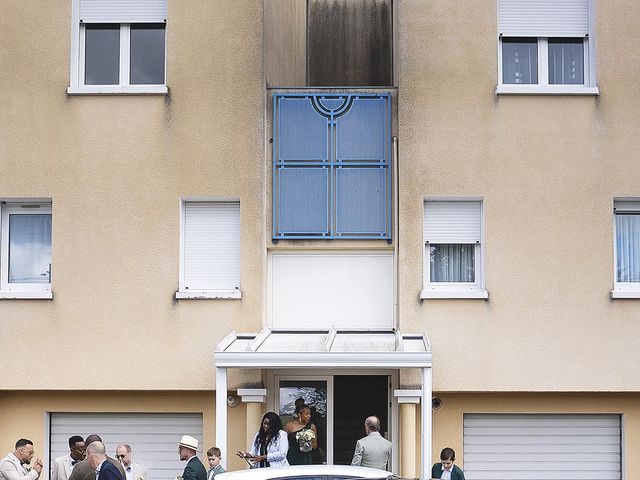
[254, 398]
[408, 399]
[426, 417]
[221, 414]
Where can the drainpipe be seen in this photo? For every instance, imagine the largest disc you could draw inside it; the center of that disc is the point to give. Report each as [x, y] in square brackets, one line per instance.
[396, 228]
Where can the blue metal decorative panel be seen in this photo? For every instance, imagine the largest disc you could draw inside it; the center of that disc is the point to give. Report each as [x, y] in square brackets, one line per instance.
[363, 133]
[302, 133]
[361, 193]
[302, 195]
[332, 166]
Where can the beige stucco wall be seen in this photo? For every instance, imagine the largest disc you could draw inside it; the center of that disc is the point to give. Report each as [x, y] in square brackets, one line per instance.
[548, 169]
[116, 168]
[33, 406]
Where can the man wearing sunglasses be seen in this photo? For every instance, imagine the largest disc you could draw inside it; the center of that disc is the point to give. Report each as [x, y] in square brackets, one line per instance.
[132, 470]
[63, 466]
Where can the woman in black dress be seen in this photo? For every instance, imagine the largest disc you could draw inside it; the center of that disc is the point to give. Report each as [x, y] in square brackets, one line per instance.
[300, 449]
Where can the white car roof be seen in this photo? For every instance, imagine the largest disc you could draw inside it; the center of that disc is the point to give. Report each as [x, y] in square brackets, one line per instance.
[303, 470]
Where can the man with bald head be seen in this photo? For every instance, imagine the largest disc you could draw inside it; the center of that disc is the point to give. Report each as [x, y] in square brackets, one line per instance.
[97, 457]
[84, 471]
[373, 450]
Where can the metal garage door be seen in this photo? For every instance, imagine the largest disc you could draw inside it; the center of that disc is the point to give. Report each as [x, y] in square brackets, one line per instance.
[153, 437]
[534, 447]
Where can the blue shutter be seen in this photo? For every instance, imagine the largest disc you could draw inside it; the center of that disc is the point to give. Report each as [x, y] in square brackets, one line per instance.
[331, 166]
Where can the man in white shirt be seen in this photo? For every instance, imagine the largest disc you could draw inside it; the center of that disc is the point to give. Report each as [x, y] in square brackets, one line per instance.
[62, 467]
[132, 470]
[14, 465]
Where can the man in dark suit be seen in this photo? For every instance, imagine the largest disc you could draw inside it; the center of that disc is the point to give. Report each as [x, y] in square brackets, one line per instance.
[194, 470]
[446, 469]
[97, 456]
[84, 471]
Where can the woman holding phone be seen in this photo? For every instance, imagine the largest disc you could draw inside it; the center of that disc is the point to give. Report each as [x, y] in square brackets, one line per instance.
[270, 445]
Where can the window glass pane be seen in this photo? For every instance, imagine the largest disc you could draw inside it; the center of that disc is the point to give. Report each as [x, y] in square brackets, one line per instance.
[349, 42]
[520, 60]
[628, 248]
[29, 248]
[102, 54]
[147, 54]
[566, 61]
[452, 263]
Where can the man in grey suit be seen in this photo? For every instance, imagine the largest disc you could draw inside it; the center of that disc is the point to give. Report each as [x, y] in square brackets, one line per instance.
[373, 450]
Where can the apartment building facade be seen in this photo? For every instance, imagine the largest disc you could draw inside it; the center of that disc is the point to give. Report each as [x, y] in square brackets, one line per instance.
[427, 210]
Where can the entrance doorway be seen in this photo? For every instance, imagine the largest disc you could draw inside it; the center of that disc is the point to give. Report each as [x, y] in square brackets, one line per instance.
[340, 404]
[355, 398]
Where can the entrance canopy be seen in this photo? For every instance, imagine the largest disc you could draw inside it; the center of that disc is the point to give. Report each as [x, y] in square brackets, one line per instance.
[324, 349]
[328, 349]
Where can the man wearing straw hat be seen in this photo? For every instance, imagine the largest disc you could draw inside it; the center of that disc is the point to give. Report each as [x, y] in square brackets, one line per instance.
[194, 469]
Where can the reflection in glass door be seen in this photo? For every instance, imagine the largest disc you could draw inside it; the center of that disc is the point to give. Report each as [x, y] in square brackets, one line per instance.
[314, 393]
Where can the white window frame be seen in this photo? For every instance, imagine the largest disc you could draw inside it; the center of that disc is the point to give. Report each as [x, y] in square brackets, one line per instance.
[461, 290]
[20, 290]
[623, 289]
[184, 293]
[543, 87]
[77, 73]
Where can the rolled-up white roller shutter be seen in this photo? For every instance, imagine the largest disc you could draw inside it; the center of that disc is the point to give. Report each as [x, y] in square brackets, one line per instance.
[123, 11]
[543, 18]
[452, 222]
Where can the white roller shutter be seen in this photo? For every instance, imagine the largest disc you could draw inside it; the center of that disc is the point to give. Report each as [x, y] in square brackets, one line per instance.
[123, 11]
[211, 246]
[536, 446]
[543, 18]
[452, 222]
[153, 437]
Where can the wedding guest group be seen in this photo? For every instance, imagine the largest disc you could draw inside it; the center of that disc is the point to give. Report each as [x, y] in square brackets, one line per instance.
[62, 467]
[83, 469]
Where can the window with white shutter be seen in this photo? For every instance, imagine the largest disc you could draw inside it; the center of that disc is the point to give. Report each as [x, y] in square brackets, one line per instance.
[626, 248]
[210, 250]
[118, 47]
[546, 46]
[453, 254]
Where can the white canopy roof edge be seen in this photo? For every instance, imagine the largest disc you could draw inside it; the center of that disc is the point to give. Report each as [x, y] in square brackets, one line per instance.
[328, 349]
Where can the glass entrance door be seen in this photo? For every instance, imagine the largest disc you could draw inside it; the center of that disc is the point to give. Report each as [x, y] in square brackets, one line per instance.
[314, 392]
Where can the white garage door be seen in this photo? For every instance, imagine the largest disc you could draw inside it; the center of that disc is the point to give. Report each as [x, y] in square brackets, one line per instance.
[534, 447]
[153, 437]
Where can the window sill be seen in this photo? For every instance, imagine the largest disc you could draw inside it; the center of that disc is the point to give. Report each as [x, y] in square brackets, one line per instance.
[26, 295]
[625, 293]
[546, 90]
[119, 90]
[462, 294]
[209, 295]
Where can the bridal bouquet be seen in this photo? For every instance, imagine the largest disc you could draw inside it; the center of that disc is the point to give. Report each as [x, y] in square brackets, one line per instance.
[304, 438]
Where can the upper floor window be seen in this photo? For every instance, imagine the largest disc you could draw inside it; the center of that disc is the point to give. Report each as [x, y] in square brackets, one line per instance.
[453, 249]
[210, 250]
[319, 43]
[546, 47]
[627, 248]
[331, 166]
[25, 249]
[118, 47]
